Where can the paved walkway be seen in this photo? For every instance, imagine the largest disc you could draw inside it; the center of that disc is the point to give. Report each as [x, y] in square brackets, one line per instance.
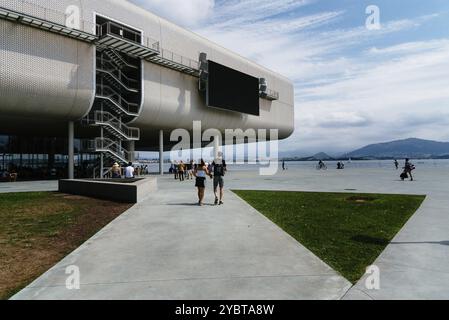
[168, 248]
[165, 248]
[28, 186]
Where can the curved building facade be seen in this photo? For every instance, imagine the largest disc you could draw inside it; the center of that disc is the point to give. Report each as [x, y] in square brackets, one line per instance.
[112, 66]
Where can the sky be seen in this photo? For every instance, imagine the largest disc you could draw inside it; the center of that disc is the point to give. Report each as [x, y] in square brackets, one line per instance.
[353, 85]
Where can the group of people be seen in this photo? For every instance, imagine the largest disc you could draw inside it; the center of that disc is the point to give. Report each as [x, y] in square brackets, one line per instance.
[200, 171]
[129, 172]
[8, 176]
[321, 165]
[183, 171]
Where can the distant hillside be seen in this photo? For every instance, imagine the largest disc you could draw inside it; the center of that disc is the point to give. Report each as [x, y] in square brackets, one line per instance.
[413, 148]
[319, 156]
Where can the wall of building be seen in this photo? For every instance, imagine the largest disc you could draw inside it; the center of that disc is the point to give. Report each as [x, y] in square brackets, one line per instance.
[53, 76]
[43, 74]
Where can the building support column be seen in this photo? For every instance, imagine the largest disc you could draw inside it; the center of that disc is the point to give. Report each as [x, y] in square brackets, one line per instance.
[161, 152]
[216, 146]
[71, 152]
[101, 165]
[102, 154]
[132, 151]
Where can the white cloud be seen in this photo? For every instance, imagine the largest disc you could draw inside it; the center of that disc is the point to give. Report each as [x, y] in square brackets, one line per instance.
[403, 96]
[349, 90]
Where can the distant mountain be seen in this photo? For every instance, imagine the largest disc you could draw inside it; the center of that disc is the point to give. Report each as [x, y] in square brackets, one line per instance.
[412, 148]
[319, 156]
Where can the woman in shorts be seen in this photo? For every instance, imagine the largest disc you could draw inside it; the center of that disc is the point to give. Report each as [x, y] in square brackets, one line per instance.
[200, 173]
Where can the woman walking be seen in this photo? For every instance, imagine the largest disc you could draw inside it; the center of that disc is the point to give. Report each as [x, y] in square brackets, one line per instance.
[200, 173]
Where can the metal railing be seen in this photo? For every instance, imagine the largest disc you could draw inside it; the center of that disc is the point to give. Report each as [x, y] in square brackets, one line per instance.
[107, 118]
[179, 59]
[108, 145]
[112, 28]
[48, 14]
[105, 65]
[106, 91]
[116, 57]
[269, 94]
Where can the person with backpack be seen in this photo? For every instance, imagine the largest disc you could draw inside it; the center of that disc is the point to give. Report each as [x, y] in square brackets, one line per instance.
[219, 169]
[408, 168]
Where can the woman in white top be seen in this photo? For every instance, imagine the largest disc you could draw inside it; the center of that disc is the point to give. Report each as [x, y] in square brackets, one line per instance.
[201, 173]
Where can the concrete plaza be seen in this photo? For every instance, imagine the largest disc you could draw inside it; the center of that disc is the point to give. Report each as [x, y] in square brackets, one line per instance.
[168, 248]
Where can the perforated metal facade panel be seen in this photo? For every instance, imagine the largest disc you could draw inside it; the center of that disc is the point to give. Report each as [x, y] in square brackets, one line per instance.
[44, 74]
[50, 75]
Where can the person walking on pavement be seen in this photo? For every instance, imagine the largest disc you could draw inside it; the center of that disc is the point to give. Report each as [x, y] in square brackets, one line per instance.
[181, 169]
[219, 170]
[200, 174]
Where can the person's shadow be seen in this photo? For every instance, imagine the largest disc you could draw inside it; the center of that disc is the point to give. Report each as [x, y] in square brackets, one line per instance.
[190, 204]
[383, 241]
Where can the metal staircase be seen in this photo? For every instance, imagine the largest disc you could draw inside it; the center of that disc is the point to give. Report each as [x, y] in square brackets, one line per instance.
[113, 125]
[118, 97]
[119, 79]
[115, 101]
[111, 149]
[116, 58]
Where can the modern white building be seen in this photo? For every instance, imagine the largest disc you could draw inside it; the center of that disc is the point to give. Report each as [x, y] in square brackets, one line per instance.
[107, 78]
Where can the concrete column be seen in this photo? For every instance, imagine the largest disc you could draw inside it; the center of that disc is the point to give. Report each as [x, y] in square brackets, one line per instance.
[101, 154]
[132, 151]
[161, 152]
[216, 146]
[71, 152]
[101, 165]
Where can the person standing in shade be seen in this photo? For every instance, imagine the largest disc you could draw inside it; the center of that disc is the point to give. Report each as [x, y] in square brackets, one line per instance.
[129, 171]
[116, 171]
[219, 169]
[200, 174]
[175, 170]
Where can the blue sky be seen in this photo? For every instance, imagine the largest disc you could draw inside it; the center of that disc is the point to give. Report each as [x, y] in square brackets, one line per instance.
[353, 86]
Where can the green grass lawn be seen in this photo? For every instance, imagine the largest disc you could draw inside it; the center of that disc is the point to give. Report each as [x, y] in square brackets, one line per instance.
[347, 231]
[38, 229]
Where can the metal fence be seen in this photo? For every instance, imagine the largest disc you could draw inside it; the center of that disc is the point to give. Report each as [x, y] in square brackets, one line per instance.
[45, 13]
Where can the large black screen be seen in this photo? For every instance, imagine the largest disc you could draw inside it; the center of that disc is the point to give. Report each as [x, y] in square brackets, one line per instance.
[232, 90]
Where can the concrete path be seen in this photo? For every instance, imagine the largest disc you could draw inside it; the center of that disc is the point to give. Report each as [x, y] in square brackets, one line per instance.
[169, 248]
[28, 186]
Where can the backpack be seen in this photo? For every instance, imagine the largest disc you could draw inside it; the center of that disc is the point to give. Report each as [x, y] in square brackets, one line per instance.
[219, 169]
